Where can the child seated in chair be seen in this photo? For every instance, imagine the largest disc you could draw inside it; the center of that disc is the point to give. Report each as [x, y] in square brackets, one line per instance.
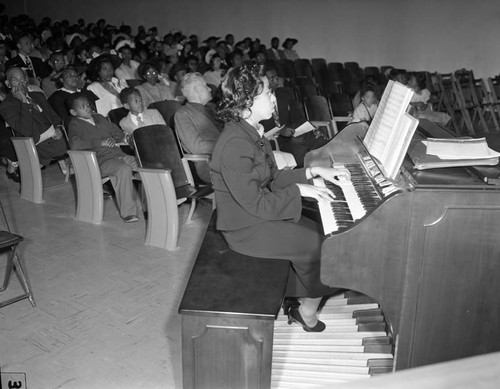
[90, 131]
[137, 116]
[365, 111]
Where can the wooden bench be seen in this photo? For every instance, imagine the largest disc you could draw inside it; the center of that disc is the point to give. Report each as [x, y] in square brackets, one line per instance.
[228, 312]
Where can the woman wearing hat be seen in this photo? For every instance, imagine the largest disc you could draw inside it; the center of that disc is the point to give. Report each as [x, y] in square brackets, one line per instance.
[290, 53]
[104, 85]
[128, 68]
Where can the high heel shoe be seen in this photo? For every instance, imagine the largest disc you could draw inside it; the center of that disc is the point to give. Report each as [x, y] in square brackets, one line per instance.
[295, 316]
[288, 303]
[14, 176]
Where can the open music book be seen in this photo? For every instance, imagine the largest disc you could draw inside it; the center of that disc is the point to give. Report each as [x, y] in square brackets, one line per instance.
[391, 129]
[300, 130]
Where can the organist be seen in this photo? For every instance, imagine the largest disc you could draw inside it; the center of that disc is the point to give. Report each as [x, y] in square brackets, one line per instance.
[258, 206]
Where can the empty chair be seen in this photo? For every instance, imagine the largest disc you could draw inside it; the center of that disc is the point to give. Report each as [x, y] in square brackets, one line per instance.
[320, 73]
[156, 148]
[341, 104]
[354, 69]
[285, 69]
[10, 241]
[132, 83]
[117, 114]
[306, 87]
[302, 68]
[318, 113]
[167, 109]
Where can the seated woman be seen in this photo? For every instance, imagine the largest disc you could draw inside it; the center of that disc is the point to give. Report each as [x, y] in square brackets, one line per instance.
[128, 68]
[419, 101]
[106, 87]
[216, 73]
[155, 87]
[258, 206]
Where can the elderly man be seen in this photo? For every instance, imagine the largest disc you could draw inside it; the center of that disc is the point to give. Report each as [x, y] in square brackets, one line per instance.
[29, 114]
[194, 122]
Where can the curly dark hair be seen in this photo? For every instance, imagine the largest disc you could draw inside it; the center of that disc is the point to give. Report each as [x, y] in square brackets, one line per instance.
[239, 89]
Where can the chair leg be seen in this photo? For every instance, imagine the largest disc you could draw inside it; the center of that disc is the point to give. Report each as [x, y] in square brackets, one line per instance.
[8, 269]
[17, 266]
[191, 211]
[24, 280]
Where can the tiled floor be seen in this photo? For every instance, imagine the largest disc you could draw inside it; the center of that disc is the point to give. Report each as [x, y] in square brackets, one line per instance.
[106, 314]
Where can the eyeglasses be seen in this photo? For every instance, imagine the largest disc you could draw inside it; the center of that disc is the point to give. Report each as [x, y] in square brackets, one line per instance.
[151, 72]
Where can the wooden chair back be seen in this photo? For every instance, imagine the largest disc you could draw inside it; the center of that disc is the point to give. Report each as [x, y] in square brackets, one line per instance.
[29, 166]
[167, 109]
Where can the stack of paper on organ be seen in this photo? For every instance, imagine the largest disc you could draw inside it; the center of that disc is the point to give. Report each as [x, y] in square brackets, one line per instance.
[436, 153]
[391, 129]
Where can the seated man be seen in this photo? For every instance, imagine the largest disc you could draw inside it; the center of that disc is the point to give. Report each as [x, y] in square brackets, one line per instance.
[89, 131]
[35, 68]
[194, 122]
[137, 116]
[29, 114]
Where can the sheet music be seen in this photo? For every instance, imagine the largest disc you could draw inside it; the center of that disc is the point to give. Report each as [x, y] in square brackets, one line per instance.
[390, 127]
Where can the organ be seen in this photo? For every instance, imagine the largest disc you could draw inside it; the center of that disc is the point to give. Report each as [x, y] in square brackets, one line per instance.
[425, 247]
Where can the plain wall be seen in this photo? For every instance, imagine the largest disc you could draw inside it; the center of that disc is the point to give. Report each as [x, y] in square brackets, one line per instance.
[434, 35]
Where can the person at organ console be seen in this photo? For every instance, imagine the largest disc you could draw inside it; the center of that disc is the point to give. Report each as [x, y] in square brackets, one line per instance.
[258, 206]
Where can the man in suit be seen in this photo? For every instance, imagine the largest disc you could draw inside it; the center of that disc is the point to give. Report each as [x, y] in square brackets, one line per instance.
[194, 122]
[29, 114]
[34, 67]
[274, 53]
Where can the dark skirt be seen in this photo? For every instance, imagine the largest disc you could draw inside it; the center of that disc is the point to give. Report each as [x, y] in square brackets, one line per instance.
[299, 243]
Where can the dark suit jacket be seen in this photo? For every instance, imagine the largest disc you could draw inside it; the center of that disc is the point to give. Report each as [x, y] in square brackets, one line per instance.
[42, 69]
[27, 120]
[272, 56]
[249, 188]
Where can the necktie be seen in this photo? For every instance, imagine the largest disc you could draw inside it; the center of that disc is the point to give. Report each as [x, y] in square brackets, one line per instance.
[29, 64]
[275, 115]
[140, 122]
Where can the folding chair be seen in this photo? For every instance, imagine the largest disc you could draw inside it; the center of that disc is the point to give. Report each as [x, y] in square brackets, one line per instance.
[485, 101]
[494, 87]
[319, 114]
[320, 72]
[306, 87]
[342, 109]
[448, 102]
[156, 148]
[10, 241]
[464, 83]
[284, 96]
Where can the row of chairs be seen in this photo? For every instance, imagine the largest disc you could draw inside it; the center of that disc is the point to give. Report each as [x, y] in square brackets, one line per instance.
[328, 77]
[467, 100]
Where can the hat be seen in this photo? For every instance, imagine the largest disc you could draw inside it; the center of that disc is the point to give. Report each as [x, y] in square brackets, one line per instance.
[78, 69]
[92, 68]
[294, 41]
[123, 43]
[69, 38]
[210, 38]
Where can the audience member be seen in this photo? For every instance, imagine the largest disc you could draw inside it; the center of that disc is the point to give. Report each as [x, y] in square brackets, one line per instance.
[288, 50]
[69, 78]
[137, 116]
[29, 114]
[106, 87]
[35, 69]
[49, 83]
[154, 88]
[366, 109]
[128, 68]
[89, 131]
[216, 73]
[194, 122]
[421, 108]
